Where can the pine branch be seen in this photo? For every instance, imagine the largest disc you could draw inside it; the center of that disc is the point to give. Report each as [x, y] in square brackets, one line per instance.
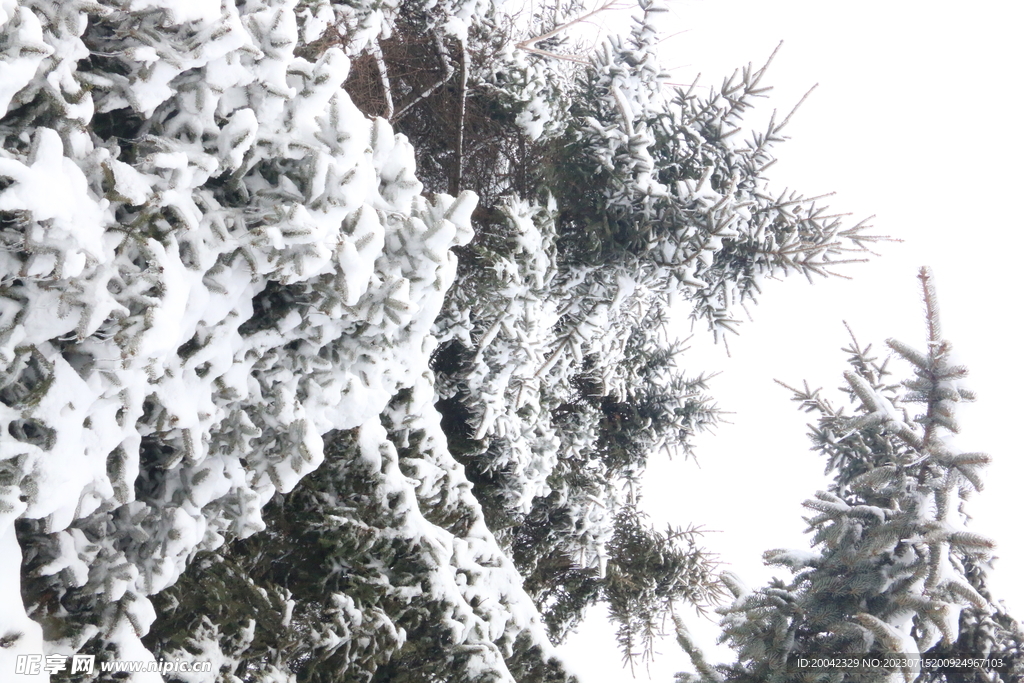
[385, 82]
[696, 655]
[931, 306]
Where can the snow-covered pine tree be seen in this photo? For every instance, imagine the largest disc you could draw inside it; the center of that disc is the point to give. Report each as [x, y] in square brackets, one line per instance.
[893, 567]
[555, 386]
[210, 260]
[636, 195]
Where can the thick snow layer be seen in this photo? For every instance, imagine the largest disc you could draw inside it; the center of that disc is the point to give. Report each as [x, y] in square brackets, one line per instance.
[24, 51]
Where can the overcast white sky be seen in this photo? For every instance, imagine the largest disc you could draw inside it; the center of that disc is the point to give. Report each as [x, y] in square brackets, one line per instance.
[916, 121]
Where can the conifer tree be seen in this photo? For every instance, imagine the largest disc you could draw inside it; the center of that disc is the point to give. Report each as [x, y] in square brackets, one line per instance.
[551, 342]
[223, 289]
[894, 567]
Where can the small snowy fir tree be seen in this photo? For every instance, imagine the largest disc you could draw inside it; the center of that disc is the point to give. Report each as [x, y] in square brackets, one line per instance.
[893, 569]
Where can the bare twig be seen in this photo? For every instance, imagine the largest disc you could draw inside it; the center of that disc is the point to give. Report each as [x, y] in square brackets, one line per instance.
[793, 110]
[449, 71]
[530, 42]
[555, 55]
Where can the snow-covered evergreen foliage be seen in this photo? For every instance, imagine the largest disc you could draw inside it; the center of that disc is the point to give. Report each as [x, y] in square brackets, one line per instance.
[226, 290]
[556, 386]
[381, 569]
[211, 259]
[894, 568]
